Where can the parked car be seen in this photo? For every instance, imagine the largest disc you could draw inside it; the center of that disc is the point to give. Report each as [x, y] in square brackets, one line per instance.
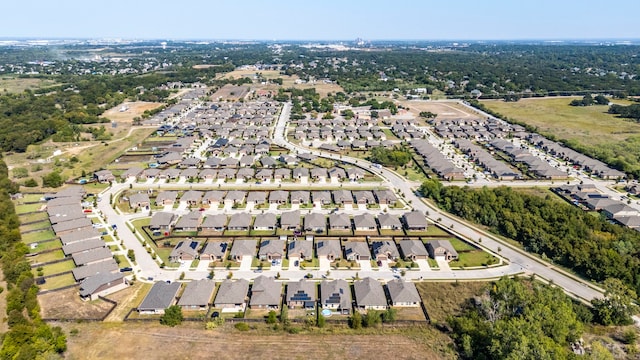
[125, 269]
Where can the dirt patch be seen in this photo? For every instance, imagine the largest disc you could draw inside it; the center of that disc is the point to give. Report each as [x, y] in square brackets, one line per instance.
[126, 111]
[445, 111]
[127, 299]
[66, 304]
[231, 92]
[444, 298]
[190, 341]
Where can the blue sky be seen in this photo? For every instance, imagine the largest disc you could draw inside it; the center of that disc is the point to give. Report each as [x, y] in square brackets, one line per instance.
[322, 19]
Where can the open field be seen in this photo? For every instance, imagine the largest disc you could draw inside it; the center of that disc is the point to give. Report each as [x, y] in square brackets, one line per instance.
[96, 340]
[586, 124]
[443, 298]
[66, 304]
[444, 110]
[287, 81]
[18, 85]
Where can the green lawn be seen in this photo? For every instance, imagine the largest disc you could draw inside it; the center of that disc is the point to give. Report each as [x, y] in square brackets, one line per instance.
[57, 267]
[461, 245]
[46, 257]
[27, 208]
[236, 232]
[37, 236]
[40, 225]
[436, 231]
[261, 232]
[38, 216]
[46, 245]
[57, 282]
[473, 258]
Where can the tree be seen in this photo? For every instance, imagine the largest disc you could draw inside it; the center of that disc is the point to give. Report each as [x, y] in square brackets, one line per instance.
[272, 317]
[618, 304]
[30, 182]
[172, 316]
[428, 115]
[355, 320]
[52, 180]
[131, 255]
[389, 315]
[371, 319]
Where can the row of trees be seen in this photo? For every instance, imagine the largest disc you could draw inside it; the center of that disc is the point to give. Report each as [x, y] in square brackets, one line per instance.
[396, 156]
[28, 337]
[589, 100]
[590, 245]
[631, 111]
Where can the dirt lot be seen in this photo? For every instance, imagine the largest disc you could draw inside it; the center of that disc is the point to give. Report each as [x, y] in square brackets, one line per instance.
[231, 92]
[443, 299]
[444, 110]
[190, 341]
[287, 81]
[66, 304]
[127, 299]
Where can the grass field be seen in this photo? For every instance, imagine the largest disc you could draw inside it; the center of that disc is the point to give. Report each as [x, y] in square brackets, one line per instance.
[190, 340]
[46, 245]
[40, 225]
[56, 282]
[27, 208]
[58, 267]
[18, 85]
[38, 216]
[589, 127]
[46, 257]
[38, 236]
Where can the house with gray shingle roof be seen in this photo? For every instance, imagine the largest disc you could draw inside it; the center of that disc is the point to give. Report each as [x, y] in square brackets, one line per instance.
[339, 222]
[336, 295]
[300, 250]
[235, 197]
[290, 220]
[166, 197]
[342, 197]
[364, 197]
[91, 256]
[189, 222]
[278, 197]
[80, 246]
[213, 197]
[315, 222]
[385, 197]
[232, 295]
[239, 222]
[161, 296]
[257, 197]
[301, 294]
[389, 222]
[265, 222]
[414, 221]
[215, 222]
[266, 293]
[385, 250]
[197, 295]
[329, 249]
[403, 293]
[300, 197]
[101, 285]
[139, 200]
[241, 248]
[322, 197]
[369, 294]
[191, 197]
[364, 222]
[214, 251]
[441, 249]
[413, 250]
[162, 221]
[271, 250]
[185, 250]
[356, 250]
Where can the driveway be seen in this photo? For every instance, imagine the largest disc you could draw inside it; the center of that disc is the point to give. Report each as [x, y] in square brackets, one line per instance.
[325, 264]
[245, 264]
[423, 264]
[443, 265]
[365, 265]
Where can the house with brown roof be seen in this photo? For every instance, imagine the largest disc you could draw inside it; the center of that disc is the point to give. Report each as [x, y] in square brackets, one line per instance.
[413, 250]
[214, 250]
[328, 249]
[441, 249]
[356, 250]
[266, 293]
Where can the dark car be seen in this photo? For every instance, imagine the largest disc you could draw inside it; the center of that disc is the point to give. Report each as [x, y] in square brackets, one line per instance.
[125, 269]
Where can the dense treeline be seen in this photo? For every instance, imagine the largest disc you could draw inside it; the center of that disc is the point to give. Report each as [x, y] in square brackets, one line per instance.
[396, 156]
[631, 112]
[623, 155]
[589, 245]
[28, 336]
[517, 319]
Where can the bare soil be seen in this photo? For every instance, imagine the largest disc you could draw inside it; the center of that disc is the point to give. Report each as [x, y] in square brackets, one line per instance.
[66, 304]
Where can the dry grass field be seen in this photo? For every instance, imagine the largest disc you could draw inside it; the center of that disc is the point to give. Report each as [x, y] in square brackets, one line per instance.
[66, 304]
[191, 341]
[287, 81]
[587, 125]
[17, 85]
[444, 298]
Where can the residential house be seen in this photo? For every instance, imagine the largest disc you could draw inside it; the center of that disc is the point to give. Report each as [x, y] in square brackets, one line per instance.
[336, 295]
[271, 250]
[413, 250]
[355, 174]
[265, 222]
[356, 251]
[162, 221]
[102, 284]
[208, 174]
[329, 249]
[246, 174]
[184, 250]
[282, 174]
[64, 227]
[213, 198]
[300, 197]
[81, 246]
[301, 174]
[414, 221]
[369, 294]
[321, 197]
[192, 197]
[214, 251]
[290, 220]
[161, 296]
[342, 197]
[242, 248]
[336, 174]
[257, 197]
[266, 293]
[104, 176]
[189, 222]
[235, 197]
[278, 197]
[385, 250]
[239, 222]
[389, 222]
[364, 197]
[197, 295]
[91, 256]
[78, 236]
[403, 293]
[264, 174]
[300, 250]
[301, 294]
[385, 197]
[319, 174]
[441, 250]
[214, 223]
[364, 222]
[166, 197]
[232, 295]
[139, 200]
[315, 222]
[102, 267]
[339, 222]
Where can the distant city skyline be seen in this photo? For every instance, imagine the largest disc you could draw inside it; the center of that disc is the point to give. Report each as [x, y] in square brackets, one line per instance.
[322, 20]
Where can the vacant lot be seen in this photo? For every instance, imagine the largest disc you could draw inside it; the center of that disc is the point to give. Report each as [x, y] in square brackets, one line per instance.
[190, 341]
[443, 298]
[444, 110]
[17, 85]
[66, 304]
[590, 128]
